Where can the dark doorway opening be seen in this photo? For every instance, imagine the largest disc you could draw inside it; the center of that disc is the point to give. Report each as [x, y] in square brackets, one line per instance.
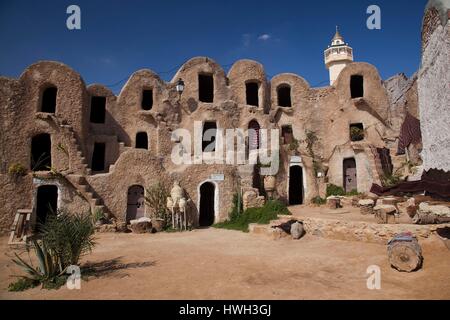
[135, 203]
[41, 152]
[98, 157]
[209, 136]
[49, 100]
[46, 203]
[356, 132]
[206, 218]
[251, 90]
[295, 185]
[147, 100]
[141, 140]
[205, 88]
[350, 177]
[287, 134]
[284, 96]
[357, 86]
[98, 109]
[254, 135]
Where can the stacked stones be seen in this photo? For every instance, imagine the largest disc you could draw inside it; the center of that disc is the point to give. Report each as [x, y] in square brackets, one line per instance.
[385, 213]
[334, 202]
[366, 206]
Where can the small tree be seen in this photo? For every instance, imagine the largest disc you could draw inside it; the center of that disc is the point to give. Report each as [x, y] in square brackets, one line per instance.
[156, 199]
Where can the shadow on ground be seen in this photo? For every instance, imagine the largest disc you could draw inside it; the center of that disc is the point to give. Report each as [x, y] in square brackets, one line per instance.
[112, 267]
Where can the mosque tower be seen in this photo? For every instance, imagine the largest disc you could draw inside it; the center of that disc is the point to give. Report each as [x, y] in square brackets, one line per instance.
[337, 56]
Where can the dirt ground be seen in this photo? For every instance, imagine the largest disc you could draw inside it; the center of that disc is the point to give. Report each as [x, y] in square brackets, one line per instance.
[221, 264]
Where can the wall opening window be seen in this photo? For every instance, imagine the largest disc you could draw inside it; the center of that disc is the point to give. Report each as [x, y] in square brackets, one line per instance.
[253, 135]
[284, 96]
[209, 136]
[98, 157]
[98, 109]
[147, 100]
[41, 152]
[287, 134]
[49, 100]
[251, 90]
[357, 86]
[205, 88]
[356, 132]
[141, 140]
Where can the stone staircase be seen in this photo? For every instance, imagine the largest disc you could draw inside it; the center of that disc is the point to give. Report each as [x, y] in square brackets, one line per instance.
[87, 192]
[79, 168]
[78, 162]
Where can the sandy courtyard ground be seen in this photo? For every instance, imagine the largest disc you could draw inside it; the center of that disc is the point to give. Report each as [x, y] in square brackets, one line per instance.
[221, 264]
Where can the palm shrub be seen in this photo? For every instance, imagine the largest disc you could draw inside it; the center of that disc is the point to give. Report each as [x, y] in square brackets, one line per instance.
[68, 236]
[65, 237]
[46, 273]
[156, 199]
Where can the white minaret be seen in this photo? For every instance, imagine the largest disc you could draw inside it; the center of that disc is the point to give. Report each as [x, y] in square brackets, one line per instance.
[337, 56]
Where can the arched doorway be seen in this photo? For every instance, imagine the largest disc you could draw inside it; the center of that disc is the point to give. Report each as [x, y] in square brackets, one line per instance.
[46, 203]
[350, 177]
[135, 203]
[207, 204]
[295, 185]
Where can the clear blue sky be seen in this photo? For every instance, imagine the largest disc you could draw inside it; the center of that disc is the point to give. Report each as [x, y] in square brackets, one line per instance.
[121, 37]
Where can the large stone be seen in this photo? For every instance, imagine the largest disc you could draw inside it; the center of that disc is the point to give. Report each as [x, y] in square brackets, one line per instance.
[142, 225]
[297, 230]
[439, 210]
[334, 202]
[158, 225]
[366, 202]
[252, 200]
[411, 208]
[387, 201]
[385, 214]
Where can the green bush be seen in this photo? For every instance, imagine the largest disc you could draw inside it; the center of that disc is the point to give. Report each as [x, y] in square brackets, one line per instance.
[16, 169]
[264, 215]
[390, 180]
[319, 201]
[333, 190]
[354, 192]
[98, 215]
[356, 133]
[22, 284]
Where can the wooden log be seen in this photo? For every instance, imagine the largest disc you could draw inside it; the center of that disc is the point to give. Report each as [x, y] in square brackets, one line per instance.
[405, 256]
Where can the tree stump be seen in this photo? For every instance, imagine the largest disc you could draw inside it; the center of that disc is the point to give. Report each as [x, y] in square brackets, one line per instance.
[405, 256]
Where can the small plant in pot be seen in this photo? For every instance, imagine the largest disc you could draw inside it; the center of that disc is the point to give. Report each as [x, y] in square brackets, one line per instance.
[156, 197]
